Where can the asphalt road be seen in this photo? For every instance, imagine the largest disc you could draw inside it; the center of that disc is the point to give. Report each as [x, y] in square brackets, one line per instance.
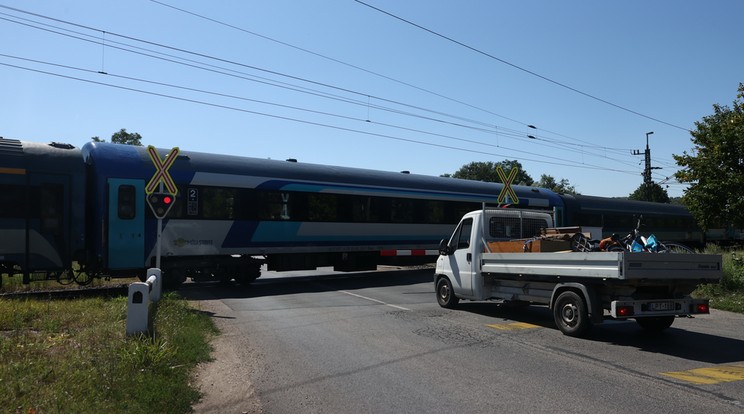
[379, 343]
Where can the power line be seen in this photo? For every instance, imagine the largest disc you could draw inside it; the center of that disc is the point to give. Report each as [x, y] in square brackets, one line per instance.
[191, 89]
[111, 43]
[303, 121]
[545, 78]
[304, 90]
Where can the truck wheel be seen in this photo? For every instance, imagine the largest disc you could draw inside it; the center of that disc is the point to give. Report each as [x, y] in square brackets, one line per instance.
[655, 323]
[570, 314]
[445, 295]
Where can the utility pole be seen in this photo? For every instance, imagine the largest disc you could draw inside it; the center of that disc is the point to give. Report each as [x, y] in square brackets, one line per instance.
[647, 181]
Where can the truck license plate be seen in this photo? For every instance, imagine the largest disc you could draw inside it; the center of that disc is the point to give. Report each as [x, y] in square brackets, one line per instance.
[660, 306]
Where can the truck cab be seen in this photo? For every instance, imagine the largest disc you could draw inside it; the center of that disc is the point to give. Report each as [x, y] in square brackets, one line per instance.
[475, 230]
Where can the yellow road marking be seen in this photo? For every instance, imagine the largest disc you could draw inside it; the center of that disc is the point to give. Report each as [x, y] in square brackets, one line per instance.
[712, 375]
[513, 326]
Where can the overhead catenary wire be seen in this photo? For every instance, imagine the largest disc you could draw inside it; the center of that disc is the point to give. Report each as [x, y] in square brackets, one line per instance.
[303, 121]
[501, 131]
[191, 62]
[360, 120]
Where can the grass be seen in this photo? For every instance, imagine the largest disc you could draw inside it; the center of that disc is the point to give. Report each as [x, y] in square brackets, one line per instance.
[729, 294]
[15, 283]
[74, 356]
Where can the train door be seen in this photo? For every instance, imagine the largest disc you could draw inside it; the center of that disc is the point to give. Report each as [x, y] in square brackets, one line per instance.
[126, 228]
[48, 228]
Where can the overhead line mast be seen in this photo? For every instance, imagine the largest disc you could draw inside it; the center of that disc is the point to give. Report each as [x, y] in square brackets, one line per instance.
[647, 181]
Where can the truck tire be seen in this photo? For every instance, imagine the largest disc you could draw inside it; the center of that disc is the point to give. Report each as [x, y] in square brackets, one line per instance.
[655, 323]
[570, 314]
[445, 295]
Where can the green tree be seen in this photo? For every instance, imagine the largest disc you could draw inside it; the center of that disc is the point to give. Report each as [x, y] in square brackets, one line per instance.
[653, 192]
[549, 182]
[715, 167]
[123, 137]
[486, 171]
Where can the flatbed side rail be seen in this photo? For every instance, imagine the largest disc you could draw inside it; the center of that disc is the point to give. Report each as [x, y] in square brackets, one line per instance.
[605, 265]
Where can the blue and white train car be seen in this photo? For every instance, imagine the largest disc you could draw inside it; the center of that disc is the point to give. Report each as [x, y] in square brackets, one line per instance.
[233, 213]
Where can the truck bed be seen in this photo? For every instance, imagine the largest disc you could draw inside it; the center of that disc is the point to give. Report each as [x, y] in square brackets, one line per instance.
[605, 265]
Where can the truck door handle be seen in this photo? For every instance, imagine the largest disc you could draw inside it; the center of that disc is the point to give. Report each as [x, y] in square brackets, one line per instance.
[469, 257]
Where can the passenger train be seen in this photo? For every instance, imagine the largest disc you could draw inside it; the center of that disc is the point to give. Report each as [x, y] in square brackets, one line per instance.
[64, 208]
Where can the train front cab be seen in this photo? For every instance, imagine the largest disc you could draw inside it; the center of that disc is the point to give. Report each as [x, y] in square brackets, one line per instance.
[42, 193]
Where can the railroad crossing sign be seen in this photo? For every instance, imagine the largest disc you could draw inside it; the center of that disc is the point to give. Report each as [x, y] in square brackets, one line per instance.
[507, 191]
[161, 174]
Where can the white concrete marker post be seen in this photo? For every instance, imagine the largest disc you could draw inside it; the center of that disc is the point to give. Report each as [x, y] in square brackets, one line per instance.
[141, 294]
[138, 308]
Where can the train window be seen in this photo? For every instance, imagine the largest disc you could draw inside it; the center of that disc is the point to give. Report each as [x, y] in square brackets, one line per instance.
[589, 219]
[322, 207]
[380, 208]
[52, 206]
[434, 212]
[457, 209]
[218, 203]
[126, 209]
[360, 207]
[402, 210]
[12, 201]
[273, 205]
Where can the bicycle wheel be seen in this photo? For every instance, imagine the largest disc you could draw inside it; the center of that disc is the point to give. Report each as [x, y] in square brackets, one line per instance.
[675, 248]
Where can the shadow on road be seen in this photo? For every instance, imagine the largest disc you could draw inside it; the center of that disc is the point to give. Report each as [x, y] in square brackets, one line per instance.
[306, 284]
[677, 342]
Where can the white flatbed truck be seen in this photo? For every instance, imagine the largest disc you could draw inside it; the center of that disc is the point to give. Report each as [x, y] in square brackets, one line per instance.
[581, 288]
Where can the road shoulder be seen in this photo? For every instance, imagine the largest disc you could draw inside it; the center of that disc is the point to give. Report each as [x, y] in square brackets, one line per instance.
[225, 382]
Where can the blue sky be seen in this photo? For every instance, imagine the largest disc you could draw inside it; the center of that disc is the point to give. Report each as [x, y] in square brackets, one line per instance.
[337, 82]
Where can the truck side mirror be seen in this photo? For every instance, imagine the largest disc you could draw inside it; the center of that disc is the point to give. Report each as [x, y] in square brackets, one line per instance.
[444, 249]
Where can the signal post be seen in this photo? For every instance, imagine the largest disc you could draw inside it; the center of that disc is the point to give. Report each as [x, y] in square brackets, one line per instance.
[161, 201]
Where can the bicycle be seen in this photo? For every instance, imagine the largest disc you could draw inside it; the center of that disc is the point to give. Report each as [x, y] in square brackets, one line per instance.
[635, 242]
